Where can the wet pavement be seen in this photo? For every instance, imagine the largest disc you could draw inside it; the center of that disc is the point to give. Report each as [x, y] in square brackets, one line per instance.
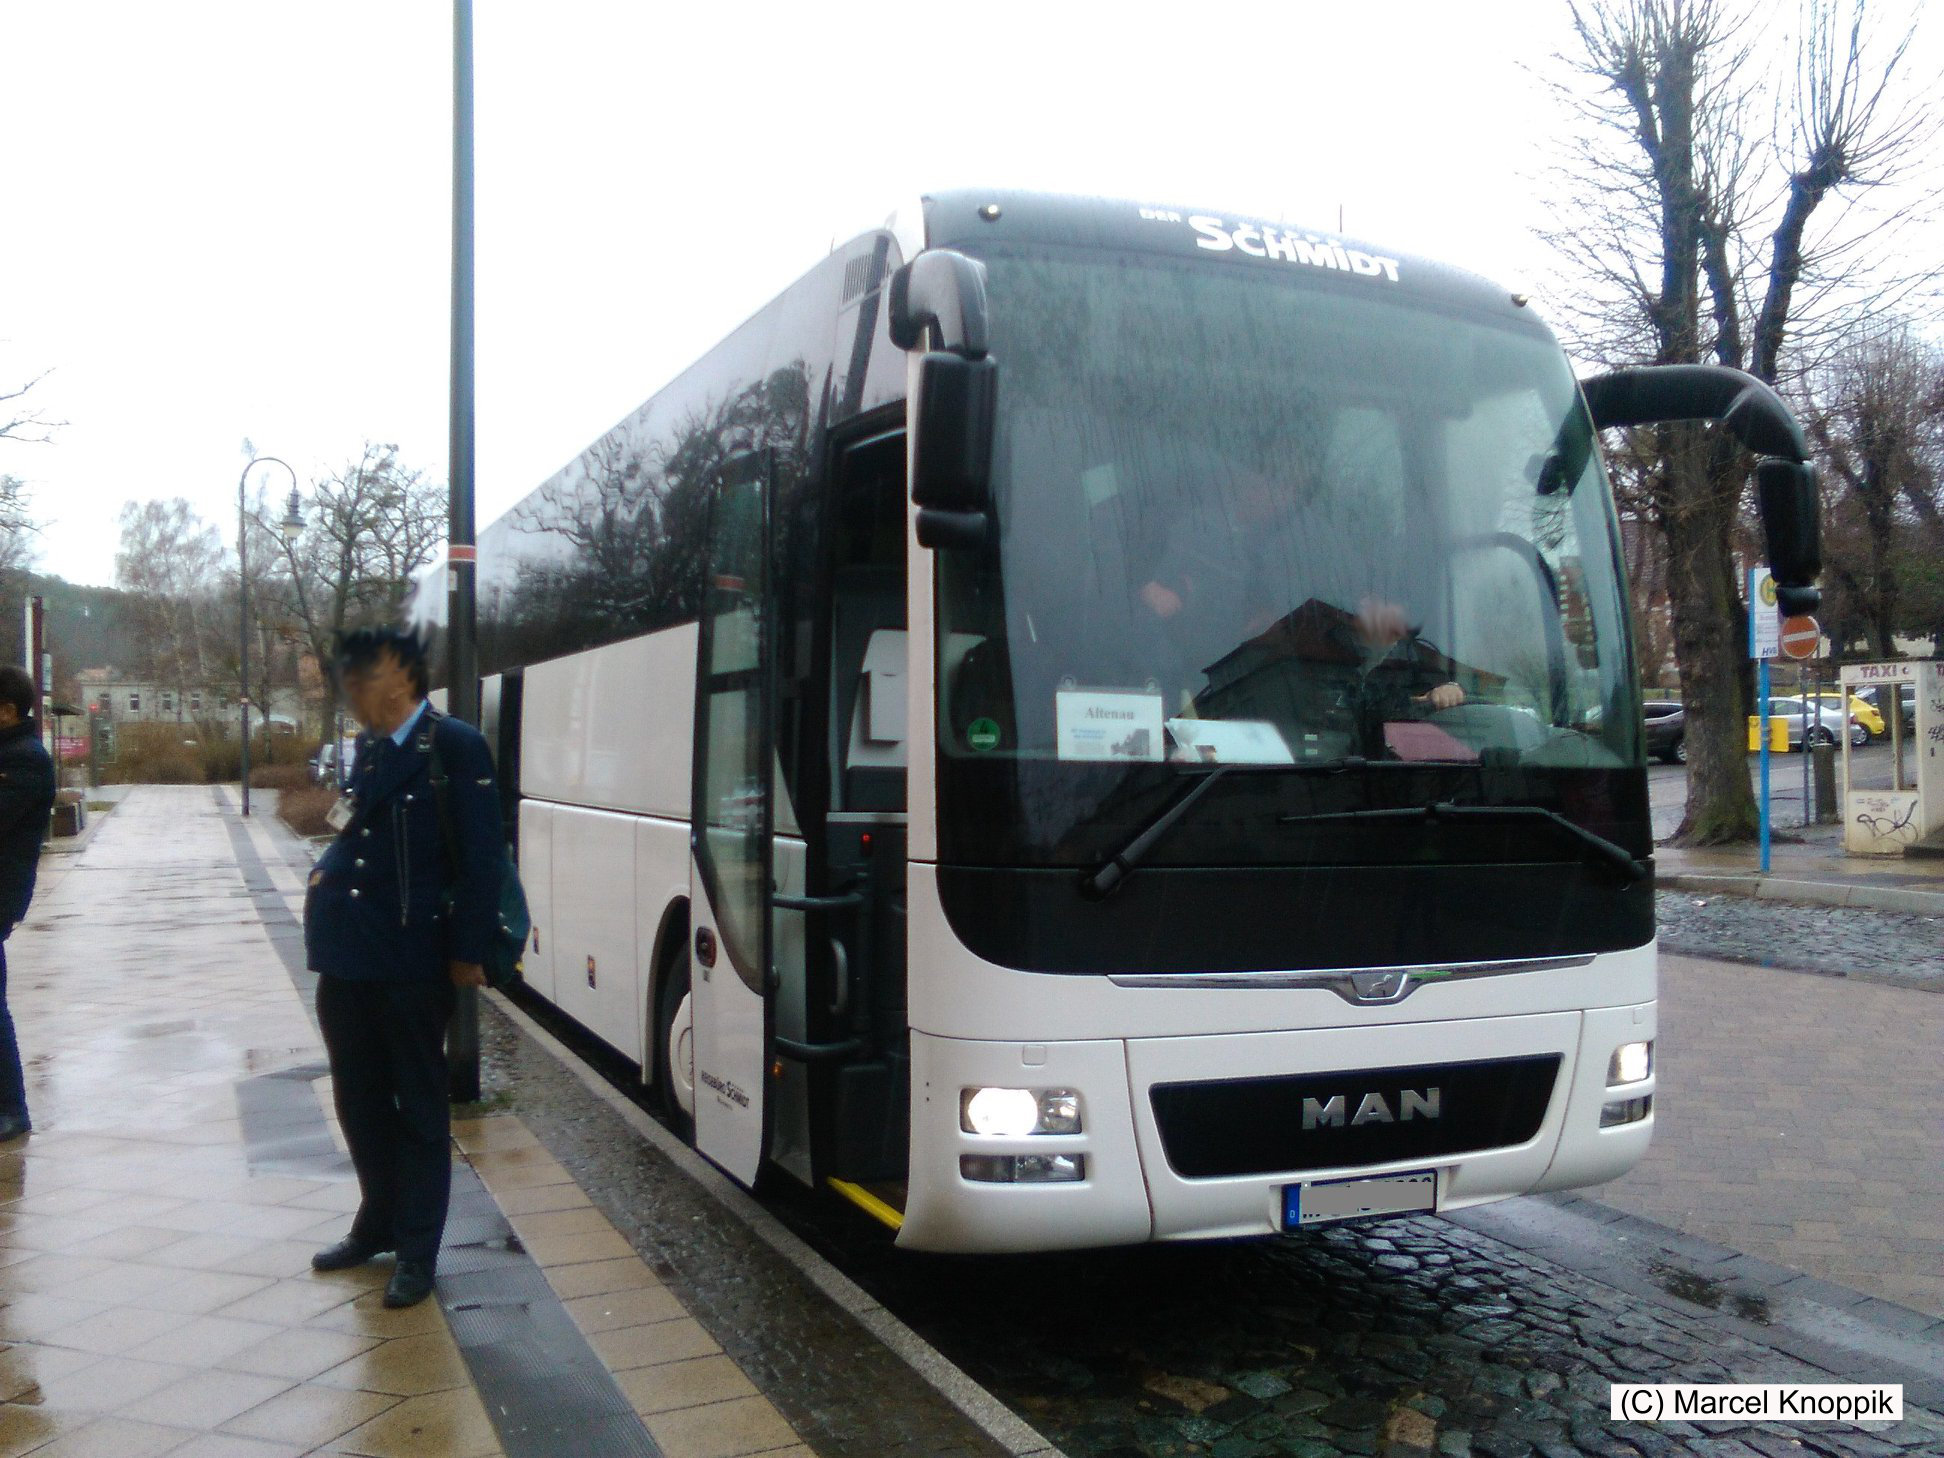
[1898, 948]
[156, 1228]
[159, 967]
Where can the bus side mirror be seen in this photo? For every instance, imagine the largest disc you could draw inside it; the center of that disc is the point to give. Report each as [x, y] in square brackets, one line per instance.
[945, 290]
[1785, 494]
[951, 466]
[1757, 417]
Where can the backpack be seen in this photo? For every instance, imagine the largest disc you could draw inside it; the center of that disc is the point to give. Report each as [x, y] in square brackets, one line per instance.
[512, 926]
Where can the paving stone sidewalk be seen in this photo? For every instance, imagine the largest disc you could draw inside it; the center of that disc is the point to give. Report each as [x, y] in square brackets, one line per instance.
[156, 1229]
[1795, 1123]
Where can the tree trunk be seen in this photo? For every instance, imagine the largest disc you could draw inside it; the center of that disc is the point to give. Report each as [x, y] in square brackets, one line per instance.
[1720, 801]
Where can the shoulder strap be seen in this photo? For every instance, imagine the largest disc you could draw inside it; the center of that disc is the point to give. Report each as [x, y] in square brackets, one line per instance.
[427, 741]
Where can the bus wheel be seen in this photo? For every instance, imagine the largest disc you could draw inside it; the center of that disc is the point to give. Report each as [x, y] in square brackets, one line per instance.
[675, 1048]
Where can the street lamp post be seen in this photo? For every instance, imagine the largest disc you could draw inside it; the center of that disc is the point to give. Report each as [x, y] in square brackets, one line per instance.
[243, 607]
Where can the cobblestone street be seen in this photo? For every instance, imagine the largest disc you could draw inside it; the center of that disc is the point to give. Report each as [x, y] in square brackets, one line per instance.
[1833, 941]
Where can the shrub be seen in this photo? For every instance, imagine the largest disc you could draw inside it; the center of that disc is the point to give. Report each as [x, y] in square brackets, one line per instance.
[280, 777]
[303, 808]
[222, 760]
[156, 754]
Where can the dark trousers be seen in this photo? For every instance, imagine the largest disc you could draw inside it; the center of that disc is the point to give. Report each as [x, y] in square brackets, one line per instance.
[13, 1086]
[386, 1042]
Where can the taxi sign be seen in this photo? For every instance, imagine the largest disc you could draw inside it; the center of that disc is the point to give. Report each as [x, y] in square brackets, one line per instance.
[1801, 636]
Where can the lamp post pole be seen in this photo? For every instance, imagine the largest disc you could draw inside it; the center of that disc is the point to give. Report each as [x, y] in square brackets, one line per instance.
[462, 661]
[243, 609]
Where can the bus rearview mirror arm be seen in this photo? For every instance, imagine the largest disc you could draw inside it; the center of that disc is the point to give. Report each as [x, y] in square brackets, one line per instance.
[945, 290]
[957, 391]
[1756, 416]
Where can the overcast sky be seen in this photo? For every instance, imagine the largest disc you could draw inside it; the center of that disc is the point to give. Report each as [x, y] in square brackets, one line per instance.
[231, 220]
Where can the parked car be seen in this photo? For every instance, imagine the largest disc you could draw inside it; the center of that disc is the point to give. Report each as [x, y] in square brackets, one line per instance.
[324, 764]
[1666, 730]
[1878, 696]
[1823, 718]
[1861, 710]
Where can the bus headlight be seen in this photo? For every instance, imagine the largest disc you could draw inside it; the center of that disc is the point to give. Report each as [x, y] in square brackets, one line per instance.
[1631, 1062]
[1014, 1113]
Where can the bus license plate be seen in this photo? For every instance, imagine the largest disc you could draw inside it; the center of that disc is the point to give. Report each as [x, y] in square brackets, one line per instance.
[1326, 1200]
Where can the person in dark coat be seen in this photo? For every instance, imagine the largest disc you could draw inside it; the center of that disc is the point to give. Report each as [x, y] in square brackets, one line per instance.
[397, 916]
[26, 803]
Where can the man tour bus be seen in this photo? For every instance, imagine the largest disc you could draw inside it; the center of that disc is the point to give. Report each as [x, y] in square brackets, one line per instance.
[1085, 723]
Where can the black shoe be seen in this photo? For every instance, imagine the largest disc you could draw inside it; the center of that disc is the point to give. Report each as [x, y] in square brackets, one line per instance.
[12, 1126]
[410, 1284]
[345, 1254]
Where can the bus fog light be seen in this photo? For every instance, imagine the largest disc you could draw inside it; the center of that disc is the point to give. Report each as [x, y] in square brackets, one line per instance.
[1023, 1169]
[1013, 1113]
[1631, 1062]
[1010, 1112]
[1626, 1111]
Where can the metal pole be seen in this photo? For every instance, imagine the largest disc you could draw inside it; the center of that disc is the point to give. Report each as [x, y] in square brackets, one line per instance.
[1814, 682]
[243, 609]
[243, 635]
[462, 657]
[1762, 719]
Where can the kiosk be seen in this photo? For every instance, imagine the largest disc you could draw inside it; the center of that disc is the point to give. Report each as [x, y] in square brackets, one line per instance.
[1883, 822]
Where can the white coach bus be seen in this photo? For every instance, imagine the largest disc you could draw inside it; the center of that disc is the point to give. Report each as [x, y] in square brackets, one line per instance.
[1085, 723]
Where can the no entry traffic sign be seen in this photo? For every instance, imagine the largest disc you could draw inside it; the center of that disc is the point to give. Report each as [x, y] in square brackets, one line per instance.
[1801, 636]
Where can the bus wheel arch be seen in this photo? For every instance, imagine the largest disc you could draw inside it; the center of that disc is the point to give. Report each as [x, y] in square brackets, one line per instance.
[670, 1031]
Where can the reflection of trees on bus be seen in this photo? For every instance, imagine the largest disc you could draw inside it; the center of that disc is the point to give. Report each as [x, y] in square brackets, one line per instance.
[612, 547]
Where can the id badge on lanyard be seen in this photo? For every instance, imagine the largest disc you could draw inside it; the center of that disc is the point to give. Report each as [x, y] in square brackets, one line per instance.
[341, 812]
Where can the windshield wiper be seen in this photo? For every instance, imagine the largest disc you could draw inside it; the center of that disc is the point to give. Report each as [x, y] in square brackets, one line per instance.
[1598, 846]
[1101, 883]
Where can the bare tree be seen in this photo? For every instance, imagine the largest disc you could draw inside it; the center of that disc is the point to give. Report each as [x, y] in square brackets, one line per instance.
[1669, 178]
[22, 423]
[170, 559]
[367, 529]
[17, 527]
[1878, 423]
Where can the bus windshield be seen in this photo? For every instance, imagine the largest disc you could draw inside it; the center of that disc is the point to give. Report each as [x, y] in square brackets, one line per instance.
[1263, 518]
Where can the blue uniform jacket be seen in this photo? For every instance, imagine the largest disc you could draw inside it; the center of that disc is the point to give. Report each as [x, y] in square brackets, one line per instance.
[26, 800]
[377, 909]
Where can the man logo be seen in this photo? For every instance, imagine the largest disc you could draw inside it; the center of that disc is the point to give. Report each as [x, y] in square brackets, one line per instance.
[1372, 1108]
[1380, 986]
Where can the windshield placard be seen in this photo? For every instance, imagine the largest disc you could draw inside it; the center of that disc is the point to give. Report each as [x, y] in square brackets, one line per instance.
[1095, 725]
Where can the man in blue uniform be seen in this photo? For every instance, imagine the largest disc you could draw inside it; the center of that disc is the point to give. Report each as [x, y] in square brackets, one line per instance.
[26, 801]
[398, 915]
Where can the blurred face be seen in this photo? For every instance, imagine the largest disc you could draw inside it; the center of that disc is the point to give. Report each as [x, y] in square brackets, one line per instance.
[380, 694]
[9, 715]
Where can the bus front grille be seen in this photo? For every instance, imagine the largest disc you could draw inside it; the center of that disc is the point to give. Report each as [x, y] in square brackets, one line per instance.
[1350, 1118]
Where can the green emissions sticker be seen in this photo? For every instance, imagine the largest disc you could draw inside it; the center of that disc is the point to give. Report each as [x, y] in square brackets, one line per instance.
[982, 734]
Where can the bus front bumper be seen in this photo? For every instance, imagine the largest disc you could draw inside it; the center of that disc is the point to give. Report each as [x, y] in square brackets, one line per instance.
[1140, 1169]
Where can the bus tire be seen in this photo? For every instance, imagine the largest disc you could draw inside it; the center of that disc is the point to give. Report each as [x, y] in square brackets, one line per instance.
[675, 1044]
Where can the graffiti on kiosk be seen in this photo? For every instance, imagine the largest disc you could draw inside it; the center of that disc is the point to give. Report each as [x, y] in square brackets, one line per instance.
[1886, 816]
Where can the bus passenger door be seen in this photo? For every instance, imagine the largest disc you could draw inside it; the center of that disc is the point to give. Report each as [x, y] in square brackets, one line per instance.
[730, 826]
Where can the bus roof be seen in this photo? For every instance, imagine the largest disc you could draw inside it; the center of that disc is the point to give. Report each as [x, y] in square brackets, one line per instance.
[971, 218]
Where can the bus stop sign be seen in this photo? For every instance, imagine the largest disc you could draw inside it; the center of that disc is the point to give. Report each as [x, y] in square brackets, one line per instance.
[1801, 635]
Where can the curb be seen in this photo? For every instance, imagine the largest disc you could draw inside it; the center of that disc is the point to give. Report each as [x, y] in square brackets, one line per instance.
[980, 1407]
[1813, 893]
[1813, 1320]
